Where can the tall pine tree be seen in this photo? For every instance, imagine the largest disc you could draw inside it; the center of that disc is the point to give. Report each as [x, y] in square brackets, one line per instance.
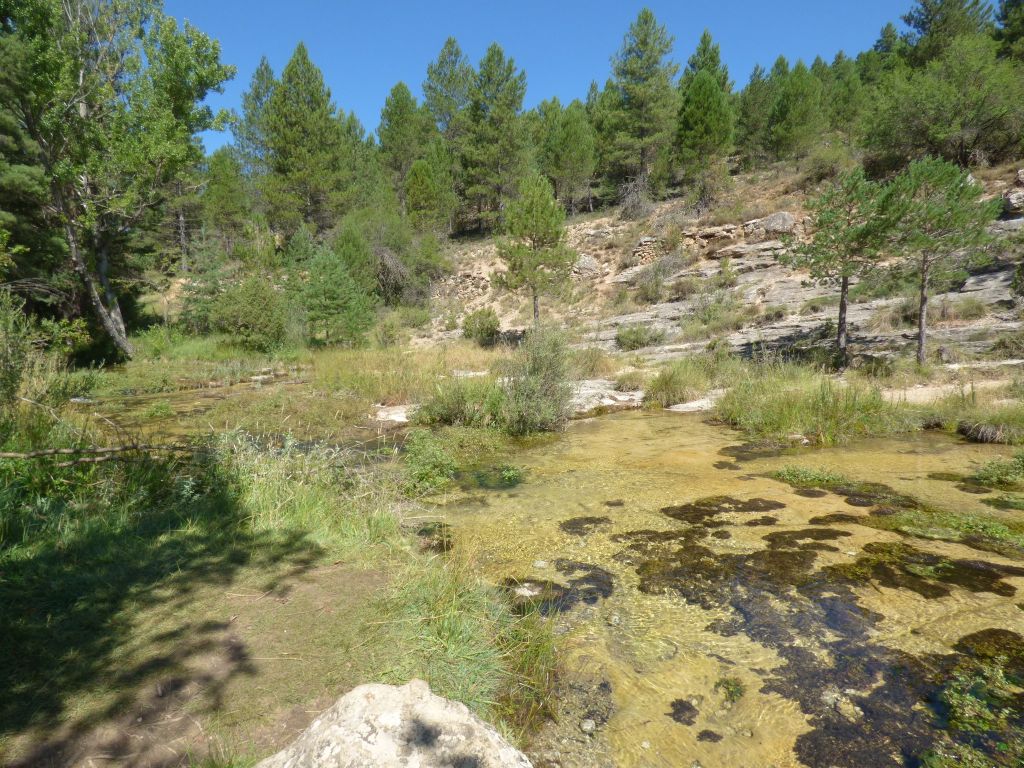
[494, 148]
[302, 138]
[645, 102]
[404, 132]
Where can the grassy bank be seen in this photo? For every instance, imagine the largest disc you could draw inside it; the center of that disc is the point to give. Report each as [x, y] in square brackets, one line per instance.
[236, 582]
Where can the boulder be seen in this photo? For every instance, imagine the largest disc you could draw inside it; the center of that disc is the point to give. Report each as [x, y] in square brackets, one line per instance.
[770, 227]
[749, 250]
[388, 726]
[1013, 202]
[1020, 177]
[586, 266]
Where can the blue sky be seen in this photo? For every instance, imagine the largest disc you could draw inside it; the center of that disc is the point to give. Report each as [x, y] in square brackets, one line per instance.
[364, 48]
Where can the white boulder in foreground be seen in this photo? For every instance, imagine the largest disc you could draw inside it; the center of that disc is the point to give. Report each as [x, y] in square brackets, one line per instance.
[386, 726]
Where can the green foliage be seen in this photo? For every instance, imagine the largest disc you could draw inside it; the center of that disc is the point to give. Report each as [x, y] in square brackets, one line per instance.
[253, 313]
[706, 58]
[849, 233]
[430, 468]
[631, 337]
[494, 148]
[1001, 473]
[14, 351]
[806, 477]
[404, 133]
[641, 103]
[335, 304]
[568, 153]
[732, 688]
[536, 383]
[775, 401]
[468, 402]
[446, 89]
[430, 199]
[966, 106]
[111, 138]
[482, 326]
[704, 129]
[225, 200]
[535, 253]
[938, 221]
[935, 24]
[796, 119]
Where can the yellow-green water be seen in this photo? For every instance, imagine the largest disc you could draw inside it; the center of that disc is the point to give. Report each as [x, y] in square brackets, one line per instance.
[837, 668]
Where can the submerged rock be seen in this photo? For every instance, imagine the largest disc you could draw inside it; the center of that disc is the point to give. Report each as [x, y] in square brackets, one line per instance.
[388, 726]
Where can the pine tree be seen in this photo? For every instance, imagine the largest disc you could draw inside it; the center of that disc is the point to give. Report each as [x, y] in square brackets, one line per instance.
[966, 106]
[888, 53]
[302, 142]
[494, 150]
[249, 128]
[755, 106]
[938, 220]
[335, 305]
[645, 102]
[572, 155]
[446, 91]
[1011, 28]
[936, 23]
[797, 119]
[704, 130]
[225, 200]
[535, 253]
[849, 234]
[430, 196]
[404, 131]
[844, 98]
[707, 58]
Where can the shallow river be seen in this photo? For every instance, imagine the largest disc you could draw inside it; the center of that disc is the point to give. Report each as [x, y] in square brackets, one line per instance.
[713, 615]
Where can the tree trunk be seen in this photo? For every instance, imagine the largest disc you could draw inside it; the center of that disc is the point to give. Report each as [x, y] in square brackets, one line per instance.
[841, 332]
[922, 318]
[536, 308]
[182, 237]
[112, 324]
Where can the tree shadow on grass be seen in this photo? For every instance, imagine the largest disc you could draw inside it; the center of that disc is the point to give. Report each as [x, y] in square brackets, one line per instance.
[97, 549]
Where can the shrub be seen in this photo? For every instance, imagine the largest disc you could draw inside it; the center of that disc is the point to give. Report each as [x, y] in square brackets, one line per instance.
[631, 381]
[470, 402]
[630, 337]
[429, 467]
[388, 332]
[482, 326]
[1001, 473]
[537, 389]
[678, 382]
[253, 313]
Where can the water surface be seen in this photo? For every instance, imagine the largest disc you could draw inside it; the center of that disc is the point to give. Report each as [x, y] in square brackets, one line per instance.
[679, 573]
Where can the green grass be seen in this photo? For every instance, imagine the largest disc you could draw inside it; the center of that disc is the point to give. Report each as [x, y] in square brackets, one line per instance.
[775, 401]
[115, 575]
[690, 378]
[1001, 473]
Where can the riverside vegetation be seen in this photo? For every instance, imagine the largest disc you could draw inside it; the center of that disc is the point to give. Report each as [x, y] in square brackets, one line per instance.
[210, 528]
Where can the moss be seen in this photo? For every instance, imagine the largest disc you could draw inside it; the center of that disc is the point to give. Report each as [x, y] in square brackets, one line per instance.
[731, 688]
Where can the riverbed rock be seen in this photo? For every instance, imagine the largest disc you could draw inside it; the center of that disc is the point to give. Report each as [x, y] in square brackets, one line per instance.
[1013, 202]
[388, 726]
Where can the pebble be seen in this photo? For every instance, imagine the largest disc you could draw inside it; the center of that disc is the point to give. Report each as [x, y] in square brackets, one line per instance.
[614, 620]
[540, 564]
[645, 745]
[588, 725]
[748, 733]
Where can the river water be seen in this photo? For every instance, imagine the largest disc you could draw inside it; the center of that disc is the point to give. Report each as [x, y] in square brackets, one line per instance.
[730, 621]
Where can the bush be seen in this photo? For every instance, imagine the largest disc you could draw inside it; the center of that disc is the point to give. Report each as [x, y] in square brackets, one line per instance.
[679, 382]
[537, 389]
[429, 467]
[631, 381]
[631, 337]
[471, 402]
[482, 326]
[1001, 473]
[253, 313]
